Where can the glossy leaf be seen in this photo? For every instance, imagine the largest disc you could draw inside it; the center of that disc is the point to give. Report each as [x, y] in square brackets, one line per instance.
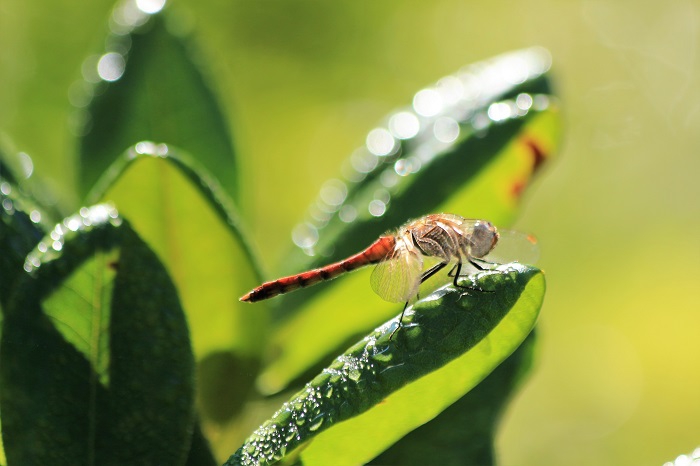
[374, 386]
[180, 210]
[504, 161]
[490, 127]
[161, 96]
[465, 432]
[508, 126]
[17, 169]
[96, 363]
[20, 230]
[186, 217]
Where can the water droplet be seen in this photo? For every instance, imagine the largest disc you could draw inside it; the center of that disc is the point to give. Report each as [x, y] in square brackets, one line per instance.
[305, 235]
[347, 214]
[446, 129]
[377, 208]
[450, 89]
[290, 435]
[101, 213]
[404, 125]
[316, 423]
[499, 111]
[334, 192]
[110, 66]
[26, 164]
[5, 188]
[150, 6]
[73, 223]
[41, 247]
[88, 69]
[57, 245]
[363, 161]
[7, 205]
[523, 101]
[145, 148]
[382, 195]
[403, 167]
[35, 216]
[380, 142]
[427, 102]
[125, 16]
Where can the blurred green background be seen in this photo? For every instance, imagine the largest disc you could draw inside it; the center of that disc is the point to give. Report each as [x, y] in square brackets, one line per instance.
[617, 214]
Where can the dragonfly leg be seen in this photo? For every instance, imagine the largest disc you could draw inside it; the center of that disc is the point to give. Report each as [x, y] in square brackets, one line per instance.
[432, 271]
[473, 261]
[457, 269]
[424, 276]
[400, 321]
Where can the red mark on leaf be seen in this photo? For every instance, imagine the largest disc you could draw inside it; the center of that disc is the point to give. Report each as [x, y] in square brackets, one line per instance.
[538, 155]
[517, 189]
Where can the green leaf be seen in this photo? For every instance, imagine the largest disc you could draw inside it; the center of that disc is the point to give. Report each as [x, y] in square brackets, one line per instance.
[21, 229]
[481, 174]
[465, 432]
[200, 452]
[496, 123]
[90, 376]
[393, 386]
[17, 169]
[162, 96]
[188, 220]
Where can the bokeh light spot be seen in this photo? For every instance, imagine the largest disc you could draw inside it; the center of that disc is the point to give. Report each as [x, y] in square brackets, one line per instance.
[110, 66]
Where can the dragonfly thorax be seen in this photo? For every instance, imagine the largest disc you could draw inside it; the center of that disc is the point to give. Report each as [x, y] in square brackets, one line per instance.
[450, 237]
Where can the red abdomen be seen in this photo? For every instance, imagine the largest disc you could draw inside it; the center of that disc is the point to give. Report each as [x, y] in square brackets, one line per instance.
[373, 254]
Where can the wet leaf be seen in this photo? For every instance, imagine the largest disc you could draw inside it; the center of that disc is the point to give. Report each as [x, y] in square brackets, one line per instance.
[465, 432]
[96, 362]
[492, 126]
[161, 96]
[506, 132]
[376, 384]
[19, 234]
[189, 221]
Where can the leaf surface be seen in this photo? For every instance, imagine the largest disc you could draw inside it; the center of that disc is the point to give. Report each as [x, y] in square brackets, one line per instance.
[375, 385]
[96, 362]
[161, 96]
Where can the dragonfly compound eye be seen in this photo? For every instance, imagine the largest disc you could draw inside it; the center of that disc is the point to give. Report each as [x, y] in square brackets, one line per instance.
[483, 239]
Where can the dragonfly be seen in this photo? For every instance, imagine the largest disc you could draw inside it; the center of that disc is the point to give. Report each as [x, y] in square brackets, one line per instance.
[400, 258]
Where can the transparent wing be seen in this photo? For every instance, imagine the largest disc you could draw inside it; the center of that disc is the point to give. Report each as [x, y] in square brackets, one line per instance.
[396, 279]
[514, 246]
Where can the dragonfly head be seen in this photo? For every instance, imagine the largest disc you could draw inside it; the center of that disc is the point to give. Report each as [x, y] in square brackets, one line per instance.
[483, 238]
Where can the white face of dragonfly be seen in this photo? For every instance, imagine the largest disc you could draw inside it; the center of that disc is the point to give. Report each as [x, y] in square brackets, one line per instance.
[482, 239]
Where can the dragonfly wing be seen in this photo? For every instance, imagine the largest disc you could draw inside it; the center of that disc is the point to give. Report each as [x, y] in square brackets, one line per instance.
[514, 246]
[396, 279]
